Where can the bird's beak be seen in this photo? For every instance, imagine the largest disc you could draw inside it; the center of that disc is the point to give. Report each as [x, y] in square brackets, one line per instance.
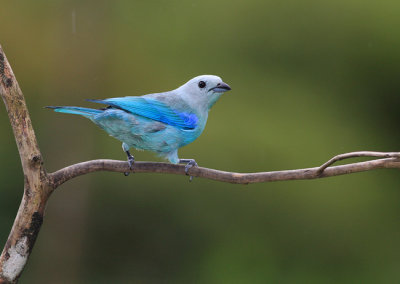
[221, 88]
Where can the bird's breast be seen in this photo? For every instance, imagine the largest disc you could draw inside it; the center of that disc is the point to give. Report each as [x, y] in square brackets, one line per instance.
[192, 134]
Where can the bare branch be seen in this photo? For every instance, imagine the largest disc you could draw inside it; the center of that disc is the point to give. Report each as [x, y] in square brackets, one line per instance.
[73, 171]
[36, 187]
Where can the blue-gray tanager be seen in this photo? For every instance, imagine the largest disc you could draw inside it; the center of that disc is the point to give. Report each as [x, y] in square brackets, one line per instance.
[161, 122]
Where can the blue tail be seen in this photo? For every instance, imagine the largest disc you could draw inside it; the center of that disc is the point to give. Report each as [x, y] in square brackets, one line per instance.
[86, 112]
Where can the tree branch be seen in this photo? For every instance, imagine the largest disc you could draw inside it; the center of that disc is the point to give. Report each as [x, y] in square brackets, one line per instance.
[70, 172]
[39, 185]
[36, 186]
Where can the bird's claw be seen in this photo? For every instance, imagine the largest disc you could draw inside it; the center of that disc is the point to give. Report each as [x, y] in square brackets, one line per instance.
[131, 161]
[190, 164]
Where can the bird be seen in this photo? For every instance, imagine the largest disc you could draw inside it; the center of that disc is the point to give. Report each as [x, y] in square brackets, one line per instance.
[157, 122]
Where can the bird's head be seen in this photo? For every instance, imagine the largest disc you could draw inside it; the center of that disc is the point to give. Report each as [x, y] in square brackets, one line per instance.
[204, 90]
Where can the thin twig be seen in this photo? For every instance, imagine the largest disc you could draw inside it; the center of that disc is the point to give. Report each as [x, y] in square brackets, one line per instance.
[357, 154]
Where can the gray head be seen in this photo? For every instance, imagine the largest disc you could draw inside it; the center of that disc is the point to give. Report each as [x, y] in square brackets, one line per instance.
[204, 90]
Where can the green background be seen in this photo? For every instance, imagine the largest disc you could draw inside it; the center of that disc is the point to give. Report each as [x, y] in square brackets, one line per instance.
[310, 79]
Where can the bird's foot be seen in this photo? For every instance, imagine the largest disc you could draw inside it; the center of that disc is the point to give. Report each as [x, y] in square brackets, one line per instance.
[189, 164]
[131, 161]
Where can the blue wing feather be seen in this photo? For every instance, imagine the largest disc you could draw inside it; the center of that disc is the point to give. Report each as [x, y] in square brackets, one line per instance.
[153, 109]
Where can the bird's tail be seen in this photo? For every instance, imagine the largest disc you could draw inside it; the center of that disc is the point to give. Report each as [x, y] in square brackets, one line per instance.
[86, 112]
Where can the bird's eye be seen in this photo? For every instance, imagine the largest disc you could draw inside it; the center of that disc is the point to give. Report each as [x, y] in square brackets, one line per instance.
[202, 84]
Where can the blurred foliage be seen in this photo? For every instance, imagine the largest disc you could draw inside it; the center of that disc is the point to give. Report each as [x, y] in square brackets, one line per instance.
[310, 79]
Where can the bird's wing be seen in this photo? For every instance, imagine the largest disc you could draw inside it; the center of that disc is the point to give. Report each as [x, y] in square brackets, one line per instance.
[153, 109]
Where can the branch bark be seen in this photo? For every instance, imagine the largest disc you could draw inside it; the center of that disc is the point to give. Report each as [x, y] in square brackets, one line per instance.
[39, 185]
[37, 188]
[70, 172]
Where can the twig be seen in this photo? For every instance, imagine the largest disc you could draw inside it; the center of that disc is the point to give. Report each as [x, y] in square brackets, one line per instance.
[357, 154]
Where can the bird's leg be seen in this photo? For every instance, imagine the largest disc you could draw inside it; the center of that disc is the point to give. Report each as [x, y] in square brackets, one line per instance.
[189, 163]
[131, 160]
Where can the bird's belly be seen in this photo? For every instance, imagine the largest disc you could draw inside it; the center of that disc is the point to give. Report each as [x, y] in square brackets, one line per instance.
[143, 133]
